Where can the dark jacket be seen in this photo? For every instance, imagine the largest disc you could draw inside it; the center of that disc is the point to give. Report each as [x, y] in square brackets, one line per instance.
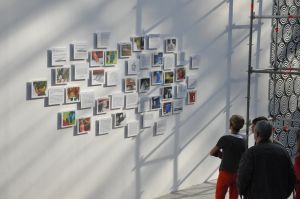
[266, 172]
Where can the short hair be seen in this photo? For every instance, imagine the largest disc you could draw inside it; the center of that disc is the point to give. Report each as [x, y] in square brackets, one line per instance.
[236, 122]
[260, 118]
[264, 129]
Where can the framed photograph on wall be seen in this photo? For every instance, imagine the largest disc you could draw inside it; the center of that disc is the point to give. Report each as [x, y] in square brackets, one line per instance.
[72, 94]
[191, 97]
[144, 85]
[130, 84]
[156, 77]
[68, 118]
[103, 39]
[80, 50]
[180, 73]
[102, 105]
[168, 77]
[119, 119]
[167, 108]
[181, 90]
[177, 106]
[104, 125]
[131, 100]
[144, 103]
[62, 75]
[59, 56]
[83, 125]
[39, 89]
[111, 57]
[125, 50]
[117, 100]
[157, 59]
[192, 81]
[155, 102]
[97, 58]
[138, 44]
[132, 129]
[170, 45]
[167, 92]
[97, 77]
[81, 71]
[169, 61]
[132, 66]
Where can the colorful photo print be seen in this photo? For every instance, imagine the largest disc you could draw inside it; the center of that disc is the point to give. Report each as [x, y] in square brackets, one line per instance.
[84, 125]
[144, 85]
[102, 105]
[125, 50]
[97, 58]
[119, 119]
[167, 92]
[62, 75]
[171, 45]
[72, 94]
[156, 77]
[68, 119]
[166, 108]
[157, 59]
[39, 89]
[191, 97]
[138, 44]
[111, 57]
[180, 74]
[155, 102]
[130, 84]
[168, 77]
[97, 77]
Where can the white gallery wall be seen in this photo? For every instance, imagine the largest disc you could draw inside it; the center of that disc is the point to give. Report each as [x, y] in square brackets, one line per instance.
[38, 160]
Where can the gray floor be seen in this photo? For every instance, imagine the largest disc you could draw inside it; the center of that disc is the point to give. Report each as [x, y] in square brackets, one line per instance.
[202, 191]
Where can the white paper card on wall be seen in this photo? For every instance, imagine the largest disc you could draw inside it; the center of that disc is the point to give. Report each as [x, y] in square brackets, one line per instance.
[112, 78]
[169, 61]
[195, 61]
[147, 119]
[117, 100]
[80, 50]
[161, 126]
[59, 56]
[180, 58]
[131, 100]
[103, 39]
[132, 66]
[56, 95]
[132, 129]
[154, 41]
[144, 104]
[104, 125]
[177, 106]
[87, 99]
[192, 81]
[39, 89]
[181, 91]
[145, 61]
[81, 71]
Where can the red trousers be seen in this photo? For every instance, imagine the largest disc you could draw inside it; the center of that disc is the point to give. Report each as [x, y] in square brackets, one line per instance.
[226, 180]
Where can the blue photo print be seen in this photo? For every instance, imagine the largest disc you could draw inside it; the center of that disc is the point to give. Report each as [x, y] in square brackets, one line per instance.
[157, 59]
[167, 108]
[156, 77]
[155, 102]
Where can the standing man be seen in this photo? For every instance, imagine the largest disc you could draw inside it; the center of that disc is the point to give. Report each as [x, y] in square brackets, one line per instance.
[265, 170]
[230, 149]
